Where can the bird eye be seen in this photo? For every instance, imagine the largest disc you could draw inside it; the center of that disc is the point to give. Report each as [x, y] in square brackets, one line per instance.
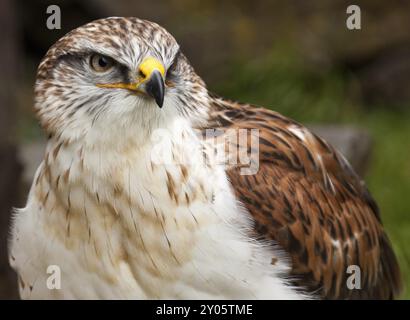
[101, 63]
[173, 66]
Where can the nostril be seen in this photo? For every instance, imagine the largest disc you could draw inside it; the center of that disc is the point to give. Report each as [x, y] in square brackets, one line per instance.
[142, 74]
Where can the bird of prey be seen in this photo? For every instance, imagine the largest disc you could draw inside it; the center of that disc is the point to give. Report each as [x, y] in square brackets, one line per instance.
[124, 205]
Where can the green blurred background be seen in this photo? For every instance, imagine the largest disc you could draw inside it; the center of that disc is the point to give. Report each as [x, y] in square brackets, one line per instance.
[295, 56]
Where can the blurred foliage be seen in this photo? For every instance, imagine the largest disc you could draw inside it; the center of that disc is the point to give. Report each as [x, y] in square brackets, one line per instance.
[282, 81]
[389, 179]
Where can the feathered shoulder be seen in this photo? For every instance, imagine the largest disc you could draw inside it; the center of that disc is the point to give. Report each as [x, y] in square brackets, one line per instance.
[307, 198]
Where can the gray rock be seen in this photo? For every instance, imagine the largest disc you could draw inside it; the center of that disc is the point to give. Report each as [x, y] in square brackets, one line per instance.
[354, 143]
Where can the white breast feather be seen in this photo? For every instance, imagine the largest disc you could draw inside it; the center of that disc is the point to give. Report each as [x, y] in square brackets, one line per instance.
[119, 227]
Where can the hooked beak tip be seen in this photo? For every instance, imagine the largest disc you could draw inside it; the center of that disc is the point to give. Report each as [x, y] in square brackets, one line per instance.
[155, 87]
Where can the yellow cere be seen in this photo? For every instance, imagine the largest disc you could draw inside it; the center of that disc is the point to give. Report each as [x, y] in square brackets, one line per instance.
[149, 65]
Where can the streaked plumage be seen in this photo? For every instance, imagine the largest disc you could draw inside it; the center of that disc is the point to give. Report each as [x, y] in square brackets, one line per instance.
[123, 223]
[306, 197]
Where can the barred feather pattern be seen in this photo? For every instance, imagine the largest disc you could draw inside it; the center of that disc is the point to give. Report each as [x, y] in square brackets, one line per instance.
[307, 197]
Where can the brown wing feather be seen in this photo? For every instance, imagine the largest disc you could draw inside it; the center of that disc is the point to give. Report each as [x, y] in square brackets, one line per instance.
[306, 197]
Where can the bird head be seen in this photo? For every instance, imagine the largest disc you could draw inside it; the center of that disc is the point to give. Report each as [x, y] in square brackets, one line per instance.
[116, 77]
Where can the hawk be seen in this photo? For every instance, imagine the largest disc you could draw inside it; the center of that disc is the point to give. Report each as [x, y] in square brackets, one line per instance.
[124, 205]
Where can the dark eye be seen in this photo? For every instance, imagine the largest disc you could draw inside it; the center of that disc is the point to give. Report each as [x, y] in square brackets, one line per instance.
[173, 66]
[101, 63]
